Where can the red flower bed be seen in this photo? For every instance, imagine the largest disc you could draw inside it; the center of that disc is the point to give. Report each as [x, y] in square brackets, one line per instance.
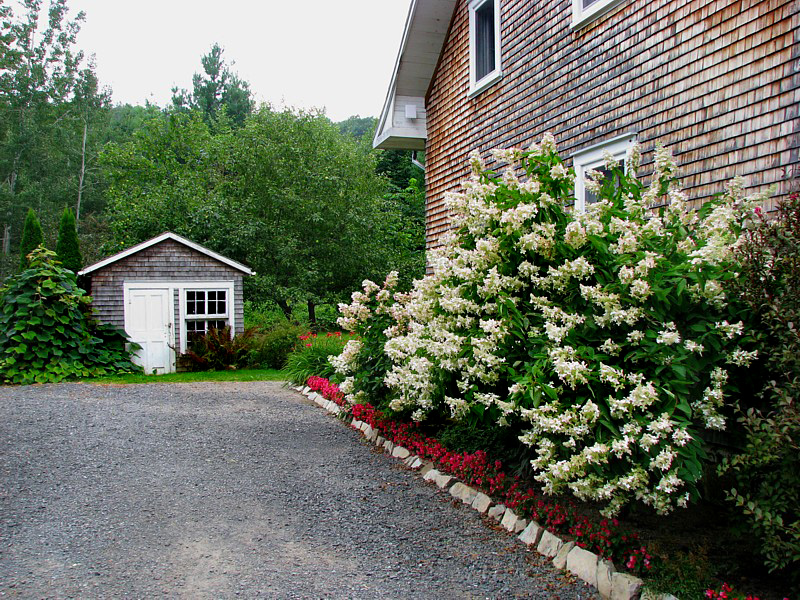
[328, 390]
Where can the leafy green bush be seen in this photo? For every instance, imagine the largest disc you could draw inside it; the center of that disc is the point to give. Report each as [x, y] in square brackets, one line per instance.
[270, 349]
[311, 357]
[767, 470]
[604, 338]
[218, 351]
[46, 334]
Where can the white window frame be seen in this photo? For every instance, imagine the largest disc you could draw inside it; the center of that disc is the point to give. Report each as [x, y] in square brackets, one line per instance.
[203, 286]
[583, 16]
[476, 87]
[593, 157]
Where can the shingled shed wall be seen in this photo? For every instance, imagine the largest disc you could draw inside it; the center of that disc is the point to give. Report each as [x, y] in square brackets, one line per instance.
[715, 81]
[167, 260]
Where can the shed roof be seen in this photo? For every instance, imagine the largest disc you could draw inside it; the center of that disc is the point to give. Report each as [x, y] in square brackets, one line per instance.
[425, 32]
[158, 239]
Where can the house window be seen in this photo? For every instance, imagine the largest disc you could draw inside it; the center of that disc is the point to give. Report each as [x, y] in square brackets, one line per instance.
[593, 158]
[205, 310]
[484, 44]
[586, 11]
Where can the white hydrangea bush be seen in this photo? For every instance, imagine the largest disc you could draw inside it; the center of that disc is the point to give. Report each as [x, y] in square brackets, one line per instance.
[605, 337]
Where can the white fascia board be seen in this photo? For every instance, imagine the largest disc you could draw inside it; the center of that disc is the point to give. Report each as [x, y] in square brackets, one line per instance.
[158, 239]
[423, 38]
[391, 140]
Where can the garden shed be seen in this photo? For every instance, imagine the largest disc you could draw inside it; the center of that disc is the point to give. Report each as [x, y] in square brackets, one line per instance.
[164, 291]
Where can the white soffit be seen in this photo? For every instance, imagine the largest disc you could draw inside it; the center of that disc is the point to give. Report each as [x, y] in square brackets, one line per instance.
[166, 236]
[423, 38]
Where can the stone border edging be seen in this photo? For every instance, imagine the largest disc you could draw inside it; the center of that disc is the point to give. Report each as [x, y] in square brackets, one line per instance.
[587, 566]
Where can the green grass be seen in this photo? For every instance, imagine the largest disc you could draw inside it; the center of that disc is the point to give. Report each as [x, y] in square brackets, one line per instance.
[238, 375]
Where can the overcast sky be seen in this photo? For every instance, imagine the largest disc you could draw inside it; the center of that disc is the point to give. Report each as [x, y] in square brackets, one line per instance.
[303, 53]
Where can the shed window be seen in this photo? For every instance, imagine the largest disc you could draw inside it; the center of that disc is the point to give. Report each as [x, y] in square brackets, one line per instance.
[593, 158]
[484, 27]
[205, 310]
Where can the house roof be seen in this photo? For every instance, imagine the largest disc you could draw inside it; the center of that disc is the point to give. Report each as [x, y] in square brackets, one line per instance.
[157, 240]
[402, 124]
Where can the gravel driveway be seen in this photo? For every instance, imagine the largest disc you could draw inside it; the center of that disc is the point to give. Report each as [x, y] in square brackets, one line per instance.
[219, 490]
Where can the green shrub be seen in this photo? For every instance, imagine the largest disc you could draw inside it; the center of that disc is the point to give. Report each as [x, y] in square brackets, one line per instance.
[218, 351]
[767, 470]
[67, 247]
[31, 238]
[264, 315]
[270, 349]
[46, 333]
[311, 357]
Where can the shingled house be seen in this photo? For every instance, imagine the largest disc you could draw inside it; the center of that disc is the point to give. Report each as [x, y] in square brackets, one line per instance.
[715, 81]
[165, 290]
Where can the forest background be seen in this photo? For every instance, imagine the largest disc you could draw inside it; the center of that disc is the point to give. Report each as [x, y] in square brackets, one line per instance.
[306, 202]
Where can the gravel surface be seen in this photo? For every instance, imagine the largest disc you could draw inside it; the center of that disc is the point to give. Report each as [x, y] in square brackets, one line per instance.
[219, 490]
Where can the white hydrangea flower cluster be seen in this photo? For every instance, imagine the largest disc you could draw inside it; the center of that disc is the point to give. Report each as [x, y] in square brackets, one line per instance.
[576, 315]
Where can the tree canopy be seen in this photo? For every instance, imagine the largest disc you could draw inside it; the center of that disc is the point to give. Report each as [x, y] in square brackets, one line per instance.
[217, 91]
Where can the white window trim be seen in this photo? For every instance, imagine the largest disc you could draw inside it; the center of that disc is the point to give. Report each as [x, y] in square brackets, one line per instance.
[203, 286]
[592, 157]
[476, 87]
[583, 16]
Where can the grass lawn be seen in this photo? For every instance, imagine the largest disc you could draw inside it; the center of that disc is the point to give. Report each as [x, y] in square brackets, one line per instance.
[238, 375]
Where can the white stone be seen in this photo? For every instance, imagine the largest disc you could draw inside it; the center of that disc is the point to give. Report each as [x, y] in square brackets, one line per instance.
[583, 563]
[379, 441]
[531, 534]
[400, 452]
[549, 544]
[414, 462]
[482, 503]
[426, 467]
[605, 568]
[367, 431]
[560, 560]
[306, 390]
[463, 492]
[364, 426]
[648, 594]
[389, 446]
[625, 587]
[509, 520]
[356, 423]
[431, 475]
[497, 512]
[444, 481]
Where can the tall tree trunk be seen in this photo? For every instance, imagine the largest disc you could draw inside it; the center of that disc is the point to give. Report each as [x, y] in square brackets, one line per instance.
[312, 314]
[287, 310]
[80, 179]
[12, 184]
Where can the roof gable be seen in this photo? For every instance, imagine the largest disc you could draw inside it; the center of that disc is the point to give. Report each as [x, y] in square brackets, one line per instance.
[157, 240]
[402, 124]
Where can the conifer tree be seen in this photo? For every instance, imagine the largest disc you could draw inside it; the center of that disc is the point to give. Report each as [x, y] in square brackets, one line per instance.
[67, 248]
[31, 238]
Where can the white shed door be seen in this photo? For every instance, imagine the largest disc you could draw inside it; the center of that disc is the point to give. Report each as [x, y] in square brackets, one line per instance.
[148, 322]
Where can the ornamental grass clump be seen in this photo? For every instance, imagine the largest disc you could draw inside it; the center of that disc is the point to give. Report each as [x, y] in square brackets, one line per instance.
[604, 338]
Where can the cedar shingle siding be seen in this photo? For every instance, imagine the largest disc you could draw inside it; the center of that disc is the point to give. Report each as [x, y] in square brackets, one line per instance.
[166, 261]
[716, 82]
